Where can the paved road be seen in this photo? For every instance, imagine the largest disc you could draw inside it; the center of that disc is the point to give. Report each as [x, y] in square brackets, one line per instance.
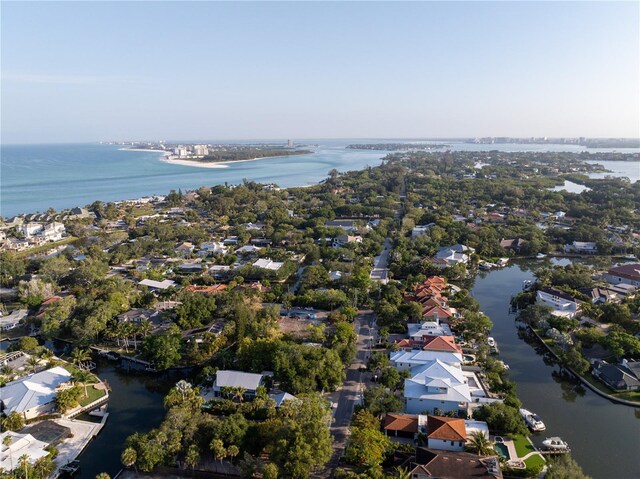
[380, 270]
[350, 393]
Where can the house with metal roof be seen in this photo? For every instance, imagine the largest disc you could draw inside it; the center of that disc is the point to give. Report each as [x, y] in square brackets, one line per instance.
[33, 395]
[250, 382]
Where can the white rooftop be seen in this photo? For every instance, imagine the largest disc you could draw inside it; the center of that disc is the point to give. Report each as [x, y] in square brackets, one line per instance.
[150, 283]
[32, 391]
[266, 263]
[21, 444]
[230, 378]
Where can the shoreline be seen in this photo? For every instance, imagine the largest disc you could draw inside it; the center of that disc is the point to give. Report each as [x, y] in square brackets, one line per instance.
[215, 164]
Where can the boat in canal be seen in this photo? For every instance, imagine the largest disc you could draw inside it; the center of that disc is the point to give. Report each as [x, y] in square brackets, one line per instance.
[555, 444]
[533, 420]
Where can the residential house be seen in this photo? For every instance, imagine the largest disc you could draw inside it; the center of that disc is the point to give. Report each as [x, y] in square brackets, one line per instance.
[401, 425]
[405, 360]
[562, 304]
[514, 244]
[348, 226]
[417, 331]
[157, 285]
[29, 229]
[212, 247]
[436, 386]
[267, 263]
[247, 250]
[212, 289]
[420, 230]
[33, 395]
[430, 343]
[452, 255]
[138, 315]
[13, 319]
[431, 464]
[619, 377]
[446, 433]
[281, 398]
[624, 274]
[185, 248]
[581, 247]
[14, 446]
[249, 382]
[343, 240]
[53, 232]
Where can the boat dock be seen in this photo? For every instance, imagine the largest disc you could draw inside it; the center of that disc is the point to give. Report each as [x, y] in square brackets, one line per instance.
[81, 434]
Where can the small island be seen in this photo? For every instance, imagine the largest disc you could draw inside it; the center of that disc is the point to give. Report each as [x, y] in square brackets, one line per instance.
[397, 146]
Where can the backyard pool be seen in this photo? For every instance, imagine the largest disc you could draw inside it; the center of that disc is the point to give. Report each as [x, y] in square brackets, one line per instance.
[502, 450]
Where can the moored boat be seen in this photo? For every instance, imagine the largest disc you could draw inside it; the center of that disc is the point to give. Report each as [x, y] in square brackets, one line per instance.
[533, 420]
[555, 444]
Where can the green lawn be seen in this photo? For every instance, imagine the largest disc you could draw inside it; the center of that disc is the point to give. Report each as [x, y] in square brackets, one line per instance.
[93, 395]
[45, 247]
[522, 444]
[534, 460]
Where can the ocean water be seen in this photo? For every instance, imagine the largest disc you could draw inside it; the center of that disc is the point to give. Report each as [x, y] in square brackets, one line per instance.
[38, 177]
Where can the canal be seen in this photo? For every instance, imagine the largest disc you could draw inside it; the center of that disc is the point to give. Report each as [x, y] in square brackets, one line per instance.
[135, 405]
[604, 436]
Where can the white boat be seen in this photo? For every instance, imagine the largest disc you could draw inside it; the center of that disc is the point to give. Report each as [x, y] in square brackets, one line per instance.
[541, 255]
[533, 420]
[491, 342]
[555, 444]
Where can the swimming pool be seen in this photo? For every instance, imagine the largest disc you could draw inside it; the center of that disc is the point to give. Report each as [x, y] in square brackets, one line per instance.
[502, 450]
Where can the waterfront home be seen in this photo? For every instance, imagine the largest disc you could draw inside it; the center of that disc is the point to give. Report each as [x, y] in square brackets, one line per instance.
[562, 304]
[452, 255]
[430, 343]
[514, 244]
[29, 229]
[13, 319]
[581, 247]
[157, 285]
[14, 446]
[619, 377]
[451, 434]
[33, 395]
[405, 360]
[417, 331]
[624, 274]
[430, 464]
[436, 386]
[53, 232]
[248, 382]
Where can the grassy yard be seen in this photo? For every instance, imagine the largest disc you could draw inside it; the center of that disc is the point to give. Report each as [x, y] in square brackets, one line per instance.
[93, 394]
[534, 460]
[45, 247]
[522, 444]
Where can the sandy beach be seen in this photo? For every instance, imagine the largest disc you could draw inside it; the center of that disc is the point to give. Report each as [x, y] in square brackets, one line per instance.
[218, 164]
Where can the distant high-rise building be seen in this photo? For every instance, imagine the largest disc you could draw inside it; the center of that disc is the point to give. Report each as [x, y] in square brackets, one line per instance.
[201, 150]
[289, 143]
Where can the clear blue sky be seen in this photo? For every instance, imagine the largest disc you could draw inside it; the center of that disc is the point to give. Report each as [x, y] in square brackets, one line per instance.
[204, 70]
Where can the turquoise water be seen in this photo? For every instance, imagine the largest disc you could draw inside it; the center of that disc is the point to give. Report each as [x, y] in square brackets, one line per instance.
[38, 177]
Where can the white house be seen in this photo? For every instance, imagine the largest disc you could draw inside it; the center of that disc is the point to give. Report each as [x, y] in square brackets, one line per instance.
[436, 386]
[212, 247]
[157, 285]
[455, 254]
[30, 229]
[53, 232]
[581, 247]
[562, 304]
[250, 382]
[428, 328]
[12, 320]
[20, 445]
[405, 360]
[35, 394]
[266, 263]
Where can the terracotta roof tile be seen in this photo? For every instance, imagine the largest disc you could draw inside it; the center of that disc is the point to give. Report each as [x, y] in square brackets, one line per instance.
[446, 428]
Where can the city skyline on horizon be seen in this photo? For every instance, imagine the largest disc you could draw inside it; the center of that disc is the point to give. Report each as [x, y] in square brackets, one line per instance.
[107, 71]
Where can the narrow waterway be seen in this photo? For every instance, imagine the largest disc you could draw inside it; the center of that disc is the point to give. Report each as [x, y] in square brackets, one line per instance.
[135, 405]
[604, 437]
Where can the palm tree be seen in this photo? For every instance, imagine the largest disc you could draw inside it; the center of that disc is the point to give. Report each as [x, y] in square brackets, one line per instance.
[218, 450]
[145, 328]
[24, 462]
[226, 391]
[129, 457]
[238, 393]
[103, 475]
[477, 442]
[79, 355]
[33, 363]
[402, 473]
[192, 457]
[83, 377]
[233, 451]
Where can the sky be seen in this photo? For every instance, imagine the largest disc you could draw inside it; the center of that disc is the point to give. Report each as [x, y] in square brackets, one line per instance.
[99, 71]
